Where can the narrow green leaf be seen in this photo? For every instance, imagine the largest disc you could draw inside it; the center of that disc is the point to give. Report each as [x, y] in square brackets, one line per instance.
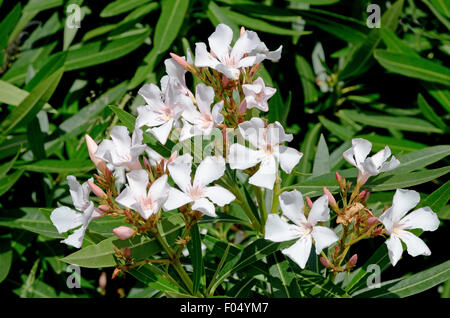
[322, 159]
[8, 181]
[308, 79]
[342, 132]
[6, 256]
[429, 113]
[282, 278]
[195, 252]
[120, 6]
[126, 118]
[438, 200]
[57, 166]
[307, 149]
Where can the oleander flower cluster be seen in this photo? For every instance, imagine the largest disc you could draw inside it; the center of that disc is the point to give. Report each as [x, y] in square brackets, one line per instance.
[228, 105]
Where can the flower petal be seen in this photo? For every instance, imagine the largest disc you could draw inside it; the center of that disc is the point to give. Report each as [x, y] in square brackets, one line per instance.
[180, 171]
[358, 152]
[246, 43]
[266, 174]
[403, 201]
[276, 135]
[220, 40]
[299, 252]
[291, 204]
[320, 212]
[278, 230]
[395, 249]
[159, 190]
[210, 169]
[205, 206]
[175, 199]
[203, 58]
[219, 195]
[241, 157]
[79, 193]
[138, 181]
[76, 238]
[415, 246]
[323, 237]
[204, 96]
[65, 219]
[162, 132]
[423, 218]
[253, 131]
[127, 199]
[289, 158]
[151, 94]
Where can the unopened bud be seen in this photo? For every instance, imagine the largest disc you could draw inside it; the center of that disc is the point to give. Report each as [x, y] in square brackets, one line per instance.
[362, 194]
[96, 189]
[225, 80]
[103, 208]
[127, 213]
[366, 197]
[372, 221]
[331, 199]
[243, 106]
[123, 232]
[309, 202]
[338, 177]
[115, 273]
[377, 231]
[242, 30]
[325, 261]
[126, 252]
[102, 280]
[352, 261]
[181, 61]
[135, 165]
[92, 148]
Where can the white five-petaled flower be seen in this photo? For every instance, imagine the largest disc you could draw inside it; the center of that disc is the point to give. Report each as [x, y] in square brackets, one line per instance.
[372, 166]
[247, 51]
[257, 94]
[201, 121]
[163, 109]
[66, 219]
[176, 73]
[122, 150]
[198, 192]
[267, 141]
[396, 224]
[304, 229]
[135, 195]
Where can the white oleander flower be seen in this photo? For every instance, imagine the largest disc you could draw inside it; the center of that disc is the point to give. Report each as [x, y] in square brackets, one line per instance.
[304, 229]
[66, 219]
[396, 223]
[247, 51]
[372, 166]
[270, 152]
[198, 192]
[201, 121]
[163, 109]
[122, 150]
[257, 94]
[136, 196]
[176, 73]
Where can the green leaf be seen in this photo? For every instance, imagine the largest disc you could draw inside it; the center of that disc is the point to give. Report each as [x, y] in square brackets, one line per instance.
[315, 285]
[429, 113]
[342, 133]
[219, 15]
[322, 159]
[282, 278]
[57, 166]
[195, 253]
[360, 58]
[32, 104]
[442, 6]
[439, 93]
[393, 122]
[102, 254]
[12, 95]
[126, 118]
[438, 200]
[120, 6]
[395, 44]
[308, 79]
[169, 23]
[396, 145]
[307, 149]
[412, 66]
[409, 286]
[6, 256]
[8, 181]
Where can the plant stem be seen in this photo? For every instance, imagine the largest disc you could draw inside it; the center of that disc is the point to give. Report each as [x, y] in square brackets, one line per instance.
[276, 193]
[261, 204]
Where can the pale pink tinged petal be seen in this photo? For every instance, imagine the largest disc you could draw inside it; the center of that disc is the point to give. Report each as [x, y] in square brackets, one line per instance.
[253, 130]
[159, 190]
[395, 249]
[79, 193]
[203, 58]
[134, 165]
[219, 195]
[278, 230]
[349, 156]
[250, 102]
[76, 238]
[164, 82]
[180, 171]
[205, 206]
[216, 113]
[162, 132]
[121, 138]
[151, 94]
[191, 114]
[230, 72]
[204, 96]
[104, 150]
[415, 246]
[92, 149]
[209, 170]
[320, 212]
[127, 199]
[423, 218]
[250, 60]
[276, 135]
[323, 237]
[188, 131]
[175, 70]
[241, 157]
[266, 174]
[291, 204]
[404, 201]
[176, 199]
[219, 41]
[97, 214]
[274, 56]
[246, 43]
[148, 117]
[299, 252]
[65, 219]
[138, 181]
[386, 219]
[289, 158]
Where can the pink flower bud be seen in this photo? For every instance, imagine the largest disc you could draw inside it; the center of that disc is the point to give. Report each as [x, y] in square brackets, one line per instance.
[123, 232]
[372, 221]
[92, 148]
[103, 208]
[225, 80]
[325, 261]
[338, 177]
[96, 189]
[243, 106]
[115, 273]
[309, 202]
[242, 30]
[362, 194]
[331, 199]
[181, 61]
[366, 197]
[353, 260]
[102, 280]
[126, 252]
[377, 231]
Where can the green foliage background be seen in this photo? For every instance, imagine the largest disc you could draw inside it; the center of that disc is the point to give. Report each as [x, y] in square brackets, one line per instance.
[338, 79]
